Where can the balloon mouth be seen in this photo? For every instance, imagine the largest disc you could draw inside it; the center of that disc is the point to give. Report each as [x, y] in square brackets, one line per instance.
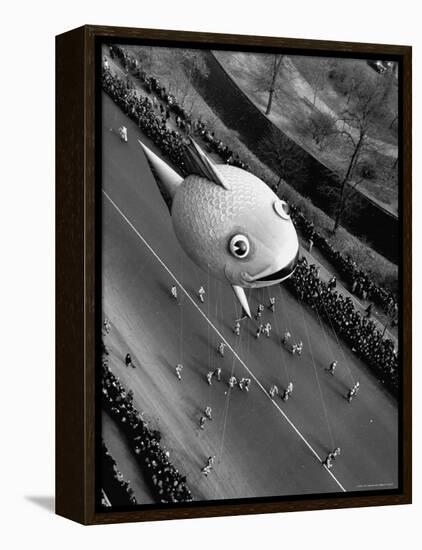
[246, 280]
[282, 274]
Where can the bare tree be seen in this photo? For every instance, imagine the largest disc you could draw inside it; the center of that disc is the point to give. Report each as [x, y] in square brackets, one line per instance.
[277, 59]
[283, 156]
[188, 67]
[321, 126]
[357, 121]
[265, 80]
[317, 75]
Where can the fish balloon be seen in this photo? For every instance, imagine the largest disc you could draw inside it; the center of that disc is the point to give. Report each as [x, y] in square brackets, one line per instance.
[229, 222]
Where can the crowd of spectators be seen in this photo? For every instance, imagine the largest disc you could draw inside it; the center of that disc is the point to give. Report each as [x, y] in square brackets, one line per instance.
[141, 109]
[116, 489]
[360, 282]
[167, 104]
[166, 482]
[359, 331]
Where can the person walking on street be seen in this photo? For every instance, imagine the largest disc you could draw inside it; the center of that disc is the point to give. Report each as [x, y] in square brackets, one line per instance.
[288, 392]
[259, 311]
[107, 325]
[273, 391]
[221, 349]
[208, 412]
[202, 422]
[331, 369]
[179, 369]
[244, 384]
[332, 455]
[210, 374]
[232, 381]
[217, 373]
[208, 467]
[201, 294]
[352, 392]
[173, 292]
[286, 338]
[271, 305]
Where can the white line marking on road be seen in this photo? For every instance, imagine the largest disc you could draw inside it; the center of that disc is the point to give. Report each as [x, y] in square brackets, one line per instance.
[222, 338]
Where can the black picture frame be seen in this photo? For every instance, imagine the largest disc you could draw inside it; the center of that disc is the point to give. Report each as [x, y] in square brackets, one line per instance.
[78, 308]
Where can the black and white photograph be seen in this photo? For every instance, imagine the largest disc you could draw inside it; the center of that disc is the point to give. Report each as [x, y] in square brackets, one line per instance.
[251, 310]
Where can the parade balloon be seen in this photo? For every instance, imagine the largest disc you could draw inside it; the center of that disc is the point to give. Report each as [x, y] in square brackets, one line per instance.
[229, 222]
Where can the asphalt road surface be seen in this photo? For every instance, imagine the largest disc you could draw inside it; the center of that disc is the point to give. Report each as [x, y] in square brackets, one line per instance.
[263, 447]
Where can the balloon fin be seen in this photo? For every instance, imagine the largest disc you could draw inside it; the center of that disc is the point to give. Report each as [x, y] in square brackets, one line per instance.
[241, 296]
[168, 180]
[197, 162]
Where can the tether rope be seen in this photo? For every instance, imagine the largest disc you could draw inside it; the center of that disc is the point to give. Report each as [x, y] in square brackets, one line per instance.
[317, 377]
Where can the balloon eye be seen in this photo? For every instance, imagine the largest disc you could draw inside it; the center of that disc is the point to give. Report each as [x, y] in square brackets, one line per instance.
[239, 246]
[282, 209]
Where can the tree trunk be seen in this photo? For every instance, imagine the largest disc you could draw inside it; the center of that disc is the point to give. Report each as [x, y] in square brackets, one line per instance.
[346, 179]
[270, 101]
[276, 67]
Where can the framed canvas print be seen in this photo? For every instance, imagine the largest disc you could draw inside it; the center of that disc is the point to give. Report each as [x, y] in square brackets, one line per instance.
[233, 274]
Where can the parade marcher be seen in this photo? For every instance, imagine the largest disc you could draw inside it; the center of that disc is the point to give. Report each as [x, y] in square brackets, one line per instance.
[336, 453]
[310, 244]
[267, 329]
[123, 133]
[332, 455]
[208, 467]
[106, 325]
[288, 391]
[128, 361]
[217, 373]
[173, 292]
[273, 391]
[201, 294]
[236, 328]
[232, 381]
[331, 369]
[259, 330]
[259, 311]
[179, 369]
[210, 374]
[208, 412]
[299, 347]
[271, 305]
[202, 421]
[221, 349]
[286, 338]
[352, 392]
